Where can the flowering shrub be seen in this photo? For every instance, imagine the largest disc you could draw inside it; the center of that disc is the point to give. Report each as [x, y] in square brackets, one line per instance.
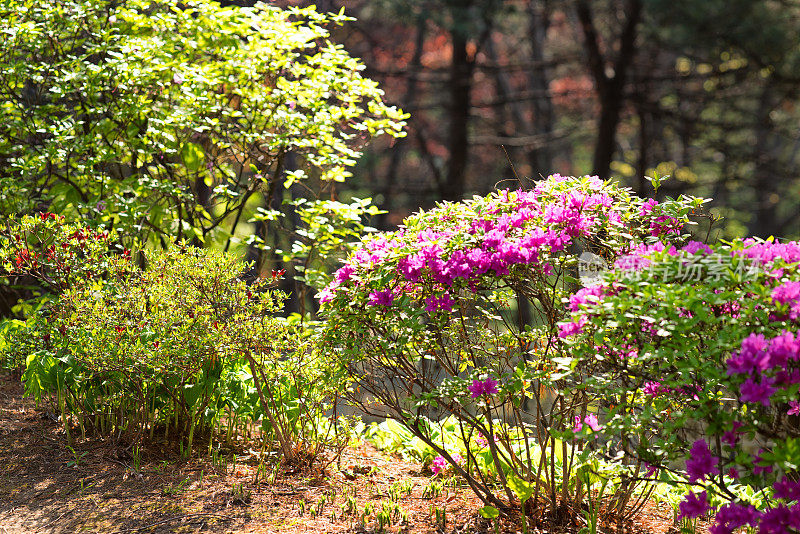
[175, 346]
[57, 255]
[41, 256]
[455, 314]
[698, 338]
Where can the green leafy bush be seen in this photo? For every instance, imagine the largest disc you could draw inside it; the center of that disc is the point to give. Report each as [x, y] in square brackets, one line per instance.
[456, 315]
[175, 121]
[182, 345]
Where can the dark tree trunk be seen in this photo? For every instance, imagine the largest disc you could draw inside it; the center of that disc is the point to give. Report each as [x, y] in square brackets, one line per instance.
[402, 145]
[765, 177]
[461, 72]
[541, 158]
[610, 87]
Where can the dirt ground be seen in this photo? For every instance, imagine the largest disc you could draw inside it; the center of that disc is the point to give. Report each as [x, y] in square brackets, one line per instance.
[98, 487]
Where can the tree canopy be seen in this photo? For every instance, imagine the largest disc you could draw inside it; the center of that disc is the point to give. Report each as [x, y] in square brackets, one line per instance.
[175, 121]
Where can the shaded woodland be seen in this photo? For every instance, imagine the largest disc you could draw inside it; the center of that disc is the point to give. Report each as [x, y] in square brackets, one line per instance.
[706, 92]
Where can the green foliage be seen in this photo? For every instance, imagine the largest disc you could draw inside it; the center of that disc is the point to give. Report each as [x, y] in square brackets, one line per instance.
[763, 31]
[169, 122]
[185, 345]
[327, 232]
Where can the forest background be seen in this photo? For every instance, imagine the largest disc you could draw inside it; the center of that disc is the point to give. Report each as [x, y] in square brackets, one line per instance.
[502, 93]
[706, 92]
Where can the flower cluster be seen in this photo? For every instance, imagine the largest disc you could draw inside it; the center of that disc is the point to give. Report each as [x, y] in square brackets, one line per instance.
[479, 388]
[788, 295]
[779, 519]
[440, 464]
[770, 252]
[701, 462]
[694, 505]
[591, 422]
[586, 296]
[639, 257]
[744, 383]
[768, 365]
[464, 246]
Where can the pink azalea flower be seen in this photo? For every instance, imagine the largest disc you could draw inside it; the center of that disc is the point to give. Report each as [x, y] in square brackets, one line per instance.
[591, 422]
[439, 465]
[752, 391]
[701, 462]
[578, 425]
[479, 388]
[694, 505]
[381, 298]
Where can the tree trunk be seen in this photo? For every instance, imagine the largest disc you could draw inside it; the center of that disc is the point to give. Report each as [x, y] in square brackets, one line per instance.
[765, 179]
[610, 87]
[461, 71]
[401, 145]
[540, 157]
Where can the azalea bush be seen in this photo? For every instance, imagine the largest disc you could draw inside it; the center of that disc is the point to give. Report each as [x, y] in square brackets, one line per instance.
[696, 351]
[455, 315]
[42, 256]
[185, 346]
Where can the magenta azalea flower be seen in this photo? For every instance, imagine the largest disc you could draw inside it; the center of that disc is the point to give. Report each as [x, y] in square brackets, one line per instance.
[476, 388]
[752, 391]
[652, 389]
[648, 206]
[731, 437]
[439, 465]
[326, 295]
[571, 328]
[693, 247]
[701, 463]
[578, 425]
[788, 490]
[591, 422]
[780, 520]
[344, 274]
[693, 505]
[479, 388]
[381, 298]
[732, 516]
[651, 470]
[787, 293]
[445, 303]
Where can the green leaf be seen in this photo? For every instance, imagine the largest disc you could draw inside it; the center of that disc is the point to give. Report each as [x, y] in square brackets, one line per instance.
[522, 489]
[489, 512]
[193, 156]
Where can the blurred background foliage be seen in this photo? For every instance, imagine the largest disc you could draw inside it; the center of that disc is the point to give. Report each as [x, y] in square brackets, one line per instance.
[704, 91]
[233, 124]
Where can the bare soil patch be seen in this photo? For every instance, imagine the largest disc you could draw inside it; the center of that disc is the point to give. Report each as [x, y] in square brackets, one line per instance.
[47, 488]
